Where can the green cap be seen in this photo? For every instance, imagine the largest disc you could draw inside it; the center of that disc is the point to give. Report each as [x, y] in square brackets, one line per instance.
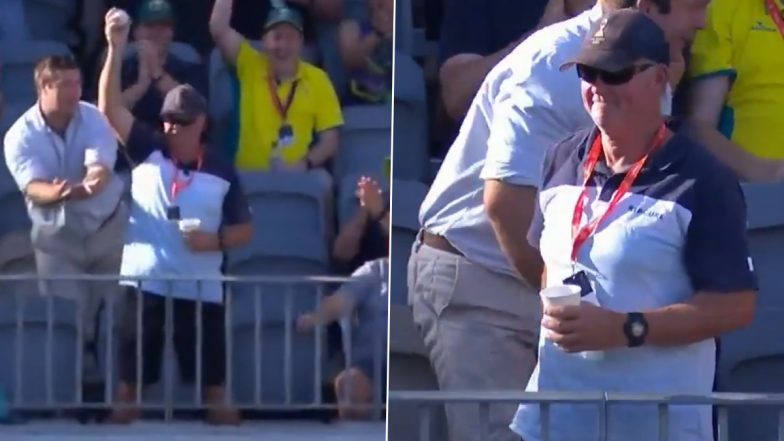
[280, 15]
[155, 11]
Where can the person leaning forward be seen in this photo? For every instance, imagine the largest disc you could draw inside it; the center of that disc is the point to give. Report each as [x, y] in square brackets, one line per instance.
[61, 153]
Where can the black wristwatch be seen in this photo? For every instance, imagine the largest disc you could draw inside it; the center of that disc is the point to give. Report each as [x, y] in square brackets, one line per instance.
[635, 329]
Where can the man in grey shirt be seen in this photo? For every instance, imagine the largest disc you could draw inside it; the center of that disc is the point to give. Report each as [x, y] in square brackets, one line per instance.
[61, 153]
[363, 302]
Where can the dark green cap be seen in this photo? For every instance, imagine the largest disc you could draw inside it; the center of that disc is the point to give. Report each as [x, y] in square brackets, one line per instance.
[280, 15]
[155, 11]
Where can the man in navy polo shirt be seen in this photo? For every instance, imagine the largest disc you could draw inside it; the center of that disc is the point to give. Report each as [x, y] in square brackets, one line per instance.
[188, 208]
[653, 229]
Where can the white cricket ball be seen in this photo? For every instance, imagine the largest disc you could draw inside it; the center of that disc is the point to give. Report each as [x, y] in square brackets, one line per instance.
[122, 17]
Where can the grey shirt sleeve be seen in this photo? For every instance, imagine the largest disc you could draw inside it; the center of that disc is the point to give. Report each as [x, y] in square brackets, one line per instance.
[365, 282]
[22, 160]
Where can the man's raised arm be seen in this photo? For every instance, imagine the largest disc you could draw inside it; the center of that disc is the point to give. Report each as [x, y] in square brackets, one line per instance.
[226, 38]
[110, 101]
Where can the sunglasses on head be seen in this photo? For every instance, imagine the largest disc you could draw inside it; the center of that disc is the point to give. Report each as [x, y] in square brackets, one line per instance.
[591, 74]
[178, 120]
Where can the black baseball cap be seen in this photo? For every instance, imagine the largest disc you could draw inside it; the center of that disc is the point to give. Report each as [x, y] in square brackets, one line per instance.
[283, 14]
[183, 102]
[155, 11]
[620, 39]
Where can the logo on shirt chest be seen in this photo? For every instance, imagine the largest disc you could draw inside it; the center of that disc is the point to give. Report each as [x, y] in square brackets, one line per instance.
[642, 211]
[760, 26]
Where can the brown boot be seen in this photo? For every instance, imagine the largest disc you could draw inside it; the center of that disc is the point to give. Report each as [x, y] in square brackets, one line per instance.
[222, 414]
[126, 395]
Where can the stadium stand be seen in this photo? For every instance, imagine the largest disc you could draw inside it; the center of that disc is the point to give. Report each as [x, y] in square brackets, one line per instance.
[750, 359]
[274, 368]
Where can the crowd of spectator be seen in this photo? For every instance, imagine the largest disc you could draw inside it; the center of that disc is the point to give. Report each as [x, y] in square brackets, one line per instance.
[186, 207]
[474, 279]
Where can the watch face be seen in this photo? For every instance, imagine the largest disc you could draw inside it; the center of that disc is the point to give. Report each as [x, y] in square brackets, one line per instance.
[637, 329]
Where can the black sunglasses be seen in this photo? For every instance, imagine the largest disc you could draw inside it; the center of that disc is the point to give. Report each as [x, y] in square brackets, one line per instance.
[178, 120]
[591, 74]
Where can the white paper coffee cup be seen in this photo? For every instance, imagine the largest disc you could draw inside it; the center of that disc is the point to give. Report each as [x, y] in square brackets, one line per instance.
[561, 295]
[187, 225]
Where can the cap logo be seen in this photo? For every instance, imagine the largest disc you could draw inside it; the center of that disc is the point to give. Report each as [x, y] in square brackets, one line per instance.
[599, 37]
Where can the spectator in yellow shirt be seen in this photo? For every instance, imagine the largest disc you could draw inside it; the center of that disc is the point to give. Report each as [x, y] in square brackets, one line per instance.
[289, 112]
[737, 86]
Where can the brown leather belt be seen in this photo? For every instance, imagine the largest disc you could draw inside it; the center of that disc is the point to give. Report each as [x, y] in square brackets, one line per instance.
[439, 243]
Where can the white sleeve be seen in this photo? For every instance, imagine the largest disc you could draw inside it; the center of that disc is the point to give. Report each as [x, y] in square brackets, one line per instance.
[529, 115]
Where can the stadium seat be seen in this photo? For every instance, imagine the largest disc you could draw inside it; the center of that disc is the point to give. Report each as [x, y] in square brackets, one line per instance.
[22, 297]
[277, 381]
[327, 42]
[12, 21]
[751, 358]
[409, 369]
[273, 254]
[278, 306]
[410, 127]
[50, 19]
[19, 59]
[287, 203]
[364, 142]
[404, 27]
[12, 205]
[223, 93]
[405, 226]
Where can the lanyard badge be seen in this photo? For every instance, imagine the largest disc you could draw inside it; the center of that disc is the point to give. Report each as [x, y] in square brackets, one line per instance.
[177, 186]
[286, 131]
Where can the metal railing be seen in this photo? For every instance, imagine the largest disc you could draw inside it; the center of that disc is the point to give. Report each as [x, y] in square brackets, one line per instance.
[428, 401]
[235, 288]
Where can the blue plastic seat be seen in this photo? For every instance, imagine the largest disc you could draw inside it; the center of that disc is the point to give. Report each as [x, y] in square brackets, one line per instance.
[752, 358]
[49, 19]
[405, 226]
[364, 140]
[24, 350]
[411, 141]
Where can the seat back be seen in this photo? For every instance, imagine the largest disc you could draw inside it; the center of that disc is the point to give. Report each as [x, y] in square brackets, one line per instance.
[19, 60]
[405, 226]
[751, 358]
[365, 140]
[410, 137]
[286, 203]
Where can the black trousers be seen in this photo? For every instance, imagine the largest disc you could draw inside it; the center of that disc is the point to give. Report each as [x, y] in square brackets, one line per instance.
[213, 339]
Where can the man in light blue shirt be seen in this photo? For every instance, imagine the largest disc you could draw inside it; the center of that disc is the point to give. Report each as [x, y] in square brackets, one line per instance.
[61, 154]
[472, 278]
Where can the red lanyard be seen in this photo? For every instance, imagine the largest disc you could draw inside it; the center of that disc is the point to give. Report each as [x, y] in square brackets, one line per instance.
[178, 185]
[775, 14]
[581, 235]
[283, 109]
